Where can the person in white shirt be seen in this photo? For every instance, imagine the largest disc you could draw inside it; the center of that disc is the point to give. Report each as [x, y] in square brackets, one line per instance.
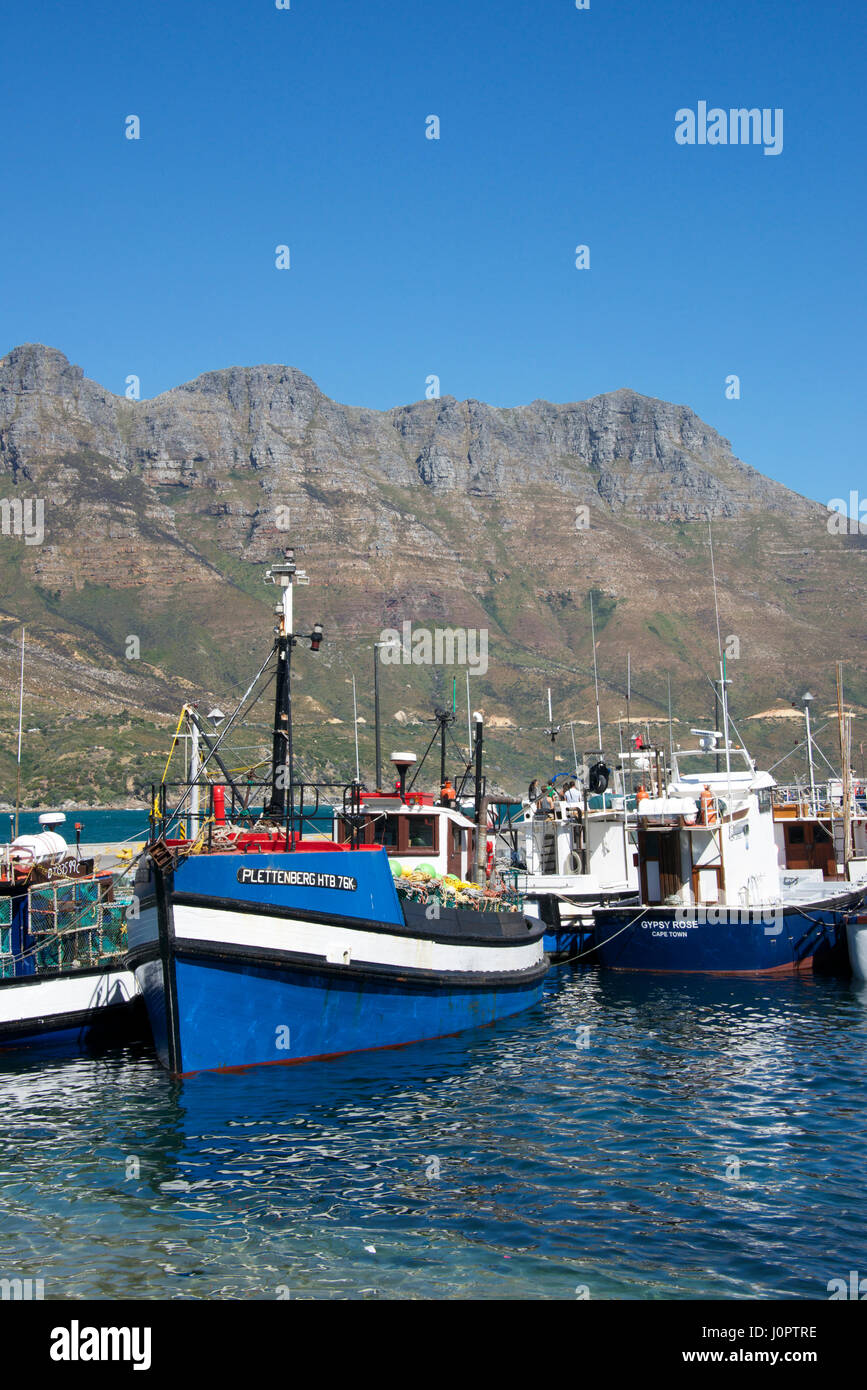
[573, 800]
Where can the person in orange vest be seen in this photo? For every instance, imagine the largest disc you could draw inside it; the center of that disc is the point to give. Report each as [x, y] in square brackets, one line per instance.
[447, 793]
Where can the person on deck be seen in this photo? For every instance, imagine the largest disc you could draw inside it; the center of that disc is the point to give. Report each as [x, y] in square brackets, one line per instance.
[573, 801]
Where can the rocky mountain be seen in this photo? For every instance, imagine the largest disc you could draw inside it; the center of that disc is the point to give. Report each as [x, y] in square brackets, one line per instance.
[161, 515]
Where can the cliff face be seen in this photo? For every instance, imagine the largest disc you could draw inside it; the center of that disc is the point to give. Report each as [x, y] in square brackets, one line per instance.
[160, 513]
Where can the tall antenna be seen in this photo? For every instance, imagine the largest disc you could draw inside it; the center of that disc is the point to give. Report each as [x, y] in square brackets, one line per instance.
[713, 576]
[595, 673]
[670, 730]
[722, 673]
[845, 735]
[629, 720]
[355, 723]
[552, 731]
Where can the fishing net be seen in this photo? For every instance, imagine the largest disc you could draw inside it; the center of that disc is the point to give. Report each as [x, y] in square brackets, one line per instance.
[450, 892]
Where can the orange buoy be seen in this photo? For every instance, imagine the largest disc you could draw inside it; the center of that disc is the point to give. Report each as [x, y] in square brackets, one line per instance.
[708, 813]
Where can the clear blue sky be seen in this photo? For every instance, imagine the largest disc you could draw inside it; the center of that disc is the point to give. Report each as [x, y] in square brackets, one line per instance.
[411, 256]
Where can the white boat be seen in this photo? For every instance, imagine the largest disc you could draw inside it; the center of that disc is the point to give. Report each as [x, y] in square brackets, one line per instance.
[715, 898]
[569, 863]
[63, 982]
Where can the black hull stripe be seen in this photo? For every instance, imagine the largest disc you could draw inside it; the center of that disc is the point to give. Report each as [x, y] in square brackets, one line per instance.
[227, 953]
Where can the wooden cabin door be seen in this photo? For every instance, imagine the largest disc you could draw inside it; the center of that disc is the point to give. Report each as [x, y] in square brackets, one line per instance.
[659, 852]
[669, 864]
[453, 849]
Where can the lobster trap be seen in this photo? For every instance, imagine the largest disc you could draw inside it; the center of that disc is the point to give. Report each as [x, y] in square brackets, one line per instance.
[77, 923]
[7, 960]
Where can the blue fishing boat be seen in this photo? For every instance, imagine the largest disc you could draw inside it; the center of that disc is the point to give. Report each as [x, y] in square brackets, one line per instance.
[257, 943]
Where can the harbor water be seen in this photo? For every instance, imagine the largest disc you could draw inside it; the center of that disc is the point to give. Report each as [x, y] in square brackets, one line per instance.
[628, 1138]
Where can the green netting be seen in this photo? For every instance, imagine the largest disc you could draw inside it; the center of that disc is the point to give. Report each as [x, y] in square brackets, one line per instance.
[68, 908]
[5, 941]
[5, 912]
[79, 928]
[7, 967]
[112, 928]
[47, 957]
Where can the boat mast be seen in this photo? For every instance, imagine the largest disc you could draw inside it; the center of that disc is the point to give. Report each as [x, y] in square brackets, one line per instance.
[629, 720]
[376, 725]
[807, 700]
[355, 726]
[20, 729]
[481, 803]
[722, 676]
[286, 575]
[552, 733]
[670, 730]
[194, 774]
[595, 673]
[844, 763]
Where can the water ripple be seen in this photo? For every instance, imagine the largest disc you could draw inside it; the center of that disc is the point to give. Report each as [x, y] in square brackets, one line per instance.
[707, 1141]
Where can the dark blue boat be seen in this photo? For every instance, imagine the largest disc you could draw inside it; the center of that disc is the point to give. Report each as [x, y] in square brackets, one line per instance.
[714, 899]
[726, 940]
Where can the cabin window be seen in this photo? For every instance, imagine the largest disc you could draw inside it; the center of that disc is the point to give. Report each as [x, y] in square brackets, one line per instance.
[387, 832]
[765, 799]
[400, 834]
[796, 834]
[422, 833]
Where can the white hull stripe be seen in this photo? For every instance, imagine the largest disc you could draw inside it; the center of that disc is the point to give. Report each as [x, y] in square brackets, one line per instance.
[71, 995]
[343, 945]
